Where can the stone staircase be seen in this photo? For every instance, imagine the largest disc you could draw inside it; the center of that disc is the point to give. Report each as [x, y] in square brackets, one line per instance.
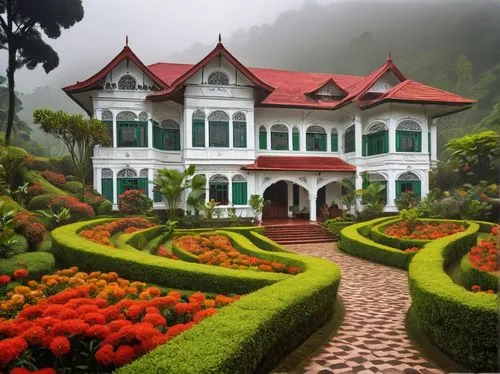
[299, 234]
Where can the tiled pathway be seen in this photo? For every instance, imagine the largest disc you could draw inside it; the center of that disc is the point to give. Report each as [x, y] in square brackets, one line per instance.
[372, 337]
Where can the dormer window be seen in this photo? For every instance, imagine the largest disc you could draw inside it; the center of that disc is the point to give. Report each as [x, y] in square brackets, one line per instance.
[127, 82]
[327, 91]
[218, 78]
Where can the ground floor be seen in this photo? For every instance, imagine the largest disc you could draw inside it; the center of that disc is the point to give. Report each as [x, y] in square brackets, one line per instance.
[291, 193]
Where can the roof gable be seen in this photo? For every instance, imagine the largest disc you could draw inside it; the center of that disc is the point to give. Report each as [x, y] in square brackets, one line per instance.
[328, 89]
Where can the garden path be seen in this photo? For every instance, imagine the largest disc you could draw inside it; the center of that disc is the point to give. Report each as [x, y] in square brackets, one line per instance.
[372, 337]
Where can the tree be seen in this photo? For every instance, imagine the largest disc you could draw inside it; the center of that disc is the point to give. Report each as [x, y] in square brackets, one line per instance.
[348, 193]
[80, 135]
[22, 25]
[257, 203]
[172, 183]
[196, 197]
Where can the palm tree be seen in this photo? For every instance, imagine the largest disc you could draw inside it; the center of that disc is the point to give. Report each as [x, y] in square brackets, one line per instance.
[196, 197]
[348, 193]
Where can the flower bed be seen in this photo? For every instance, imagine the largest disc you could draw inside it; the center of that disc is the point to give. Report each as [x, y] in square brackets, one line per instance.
[53, 177]
[484, 255]
[217, 250]
[423, 230]
[92, 322]
[77, 209]
[102, 233]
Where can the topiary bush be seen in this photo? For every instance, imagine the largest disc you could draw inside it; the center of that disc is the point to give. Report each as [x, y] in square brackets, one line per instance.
[37, 264]
[74, 187]
[336, 225]
[78, 210]
[105, 208]
[34, 177]
[53, 177]
[41, 202]
[134, 202]
[30, 227]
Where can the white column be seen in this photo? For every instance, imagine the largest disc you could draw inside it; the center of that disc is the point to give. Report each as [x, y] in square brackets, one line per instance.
[187, 140]
[312, 207]
[115, 131]
[207, 144]
[230, 189]
[115, 186]
[290, 139]
[251, 131]
[358, 131]
[329, 140]
[97, 180]
[290, 197]
[207, 187]
[303, 138]
[391, 191]
[231, 132]
[150, 134]
[151, 176]
[359, 185]
[433, 142]
[268, 135]
[392, 135]
[424, 183]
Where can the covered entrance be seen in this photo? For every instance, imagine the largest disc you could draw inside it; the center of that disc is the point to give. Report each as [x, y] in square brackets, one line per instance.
[277, 194]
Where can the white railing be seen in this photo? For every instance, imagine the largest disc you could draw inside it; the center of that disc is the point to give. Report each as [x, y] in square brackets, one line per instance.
[137, 154]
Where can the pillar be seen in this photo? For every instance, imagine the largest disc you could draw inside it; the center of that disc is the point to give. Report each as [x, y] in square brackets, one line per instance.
[207, 143]
[312, 207]
[392, 135]
[231, 132]
[97, 179]
[115, 131]
[358, 131]
[268, 136]
[115, 186]
[391, 191]
[252, 131]
[150, 133]
[151, 176]
[290, 197]
[433, 142]
[187, 140]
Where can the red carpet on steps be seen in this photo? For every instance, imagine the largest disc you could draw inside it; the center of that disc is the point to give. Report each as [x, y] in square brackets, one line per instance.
[299, 234]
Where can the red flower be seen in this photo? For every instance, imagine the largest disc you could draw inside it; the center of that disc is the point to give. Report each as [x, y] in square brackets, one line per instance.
[98, 331]
[20, 273]
[105, 354]
[10, 349]
[4, 279]
[60, 345]
[155, 319]
[124, 354]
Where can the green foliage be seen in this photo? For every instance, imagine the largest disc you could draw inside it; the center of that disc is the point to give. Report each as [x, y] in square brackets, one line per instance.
[34, 177]
[355, 240]
[105, 208]
[73, 187]
[209, 209]
[257, 203]
[348, 193]
[410, 216]
[12, 161]
[336, 225]
[372, 199]
[472, 276]
[37, 263]
[460, 323]
[407, 200]
[7, 204]
[58, 218]
[134, 202]
[7, 239]
[196, 197]
[41, 202]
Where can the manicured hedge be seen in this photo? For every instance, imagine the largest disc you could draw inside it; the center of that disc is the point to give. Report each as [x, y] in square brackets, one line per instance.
[74, 187]
[41, 202]
[47, 188]
[472, 276]
[263, 242]
[9, 204]
[104, 208]
[354, 240]
[71, 249]
[184, 255]
[460, 323]
[37, 263]
[336, 225]
[254, 333]
[378, 235]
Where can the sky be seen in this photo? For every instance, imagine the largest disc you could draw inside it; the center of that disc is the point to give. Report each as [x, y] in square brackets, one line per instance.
[156, 30]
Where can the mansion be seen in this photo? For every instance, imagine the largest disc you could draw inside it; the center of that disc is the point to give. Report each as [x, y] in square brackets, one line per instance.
[287, 135]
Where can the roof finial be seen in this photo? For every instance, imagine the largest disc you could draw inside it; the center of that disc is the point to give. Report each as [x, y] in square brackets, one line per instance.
[220, 38]
[126, 40]
[389, 58]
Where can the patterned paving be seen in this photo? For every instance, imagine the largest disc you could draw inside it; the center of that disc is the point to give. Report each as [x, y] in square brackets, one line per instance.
[372, 337]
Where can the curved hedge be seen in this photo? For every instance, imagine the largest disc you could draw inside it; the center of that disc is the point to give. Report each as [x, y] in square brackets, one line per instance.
[460, 323]
[354, 240]
[250, 335]
[472, 276]
[37, 263]
[47, 188]
[378, 235]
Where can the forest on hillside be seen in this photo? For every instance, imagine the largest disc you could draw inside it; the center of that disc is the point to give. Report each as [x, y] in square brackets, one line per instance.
[453, 45]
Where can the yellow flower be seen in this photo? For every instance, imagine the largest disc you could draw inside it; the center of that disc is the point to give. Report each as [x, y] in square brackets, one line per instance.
[18, 299]
[22, 290]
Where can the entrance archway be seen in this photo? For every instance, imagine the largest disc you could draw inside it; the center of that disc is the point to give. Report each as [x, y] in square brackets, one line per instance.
[277, 194]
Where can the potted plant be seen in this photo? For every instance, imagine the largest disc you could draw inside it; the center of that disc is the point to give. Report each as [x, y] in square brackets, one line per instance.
[294, 209]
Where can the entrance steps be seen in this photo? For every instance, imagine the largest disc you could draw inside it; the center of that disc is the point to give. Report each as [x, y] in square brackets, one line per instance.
[299, 234]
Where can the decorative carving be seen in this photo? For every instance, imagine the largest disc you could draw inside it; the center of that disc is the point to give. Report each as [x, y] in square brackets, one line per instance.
[127, 173]
[143, 173]
[106, 115]
[107, 173]
[127, 82]
[321, 180]
[279, 127]
[218, 78]
[377, 127]
[169, 124]
[315, 129]
[408, 125]
[218, 178]
[408, 176]
[239, 178]
[218, 115]
[349, 130]
[262, 129]
[303, 179]
[239, 117]
[126, 116]
[295, 130]
[198, 114]
[143, 116]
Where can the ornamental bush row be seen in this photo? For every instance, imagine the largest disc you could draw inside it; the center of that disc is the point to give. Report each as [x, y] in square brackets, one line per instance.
[378, 235]
[460, 323]
[472, 276]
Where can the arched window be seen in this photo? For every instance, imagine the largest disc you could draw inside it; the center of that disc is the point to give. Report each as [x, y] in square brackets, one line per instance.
[218, 78]
[376, 140]
[127, 179]
[334, 140]
[218, 129]
[131, 132]
[408, 136]
[262, 137]
[295, 139]
[127, 82]
[350, 140]
[279, 137]
[408, 182]
[198, 124]
[107, 118]
[239, 130]
[316, 139]
[107, 184]
[166, 135]
[218, 189]
[239, 193]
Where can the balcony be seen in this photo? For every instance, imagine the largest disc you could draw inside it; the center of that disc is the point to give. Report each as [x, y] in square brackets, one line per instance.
[396, 158]
[122, 154]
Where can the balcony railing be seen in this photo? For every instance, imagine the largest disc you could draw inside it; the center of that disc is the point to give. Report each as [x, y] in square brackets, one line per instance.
[137, 154]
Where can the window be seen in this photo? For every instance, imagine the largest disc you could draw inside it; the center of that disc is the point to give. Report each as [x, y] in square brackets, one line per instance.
[408, 136]
[239, 130]
[218, 78]
[166, 136]
[239, 193]
[157, 195]
[262, 138]
[334, 140]
[408, 182]
[218, 128]
[295, 139]
[107, 184]
[316, 139]
[218, 189]
[127, 82]
[279, 137]
[127, 180]
[198, 128]
[376, 141]
[350, 140]
[107, 118]
[131, 133]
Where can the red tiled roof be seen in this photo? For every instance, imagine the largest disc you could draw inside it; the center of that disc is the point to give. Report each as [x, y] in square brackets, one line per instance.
[300, 163]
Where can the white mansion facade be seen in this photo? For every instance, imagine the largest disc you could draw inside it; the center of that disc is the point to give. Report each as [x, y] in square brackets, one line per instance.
[291, 136]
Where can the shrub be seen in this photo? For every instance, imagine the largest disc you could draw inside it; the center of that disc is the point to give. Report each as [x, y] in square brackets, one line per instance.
[77, 209]
[20, 244]
[7, 204]
[37, 264]
[336, 225]
[472, 276]
[38, 163]
[448, 208]
[53, 177]
[93, 198]
[407, 200]
[71, 178]
[105, 208]
[41, 202]
[33, 177]
[30, 227]
[35, 189]
[134, 202]
[74, 187]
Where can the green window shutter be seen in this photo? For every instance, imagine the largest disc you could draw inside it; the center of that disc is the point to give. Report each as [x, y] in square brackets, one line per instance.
[386, 142]
[239, 193]
[418, 143]
[143, 185]
[239, 134]
[244, 193]
[322, 142]
[398, 141]
[235, 196]
[429, 142]
[107, 188]
[295, 140]
[365, 145]
[177, 140]
[335, 142]
[157, 196]
[262, 140]
[122, 182]
[398, 188]
[198, 131]
[417, 188]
